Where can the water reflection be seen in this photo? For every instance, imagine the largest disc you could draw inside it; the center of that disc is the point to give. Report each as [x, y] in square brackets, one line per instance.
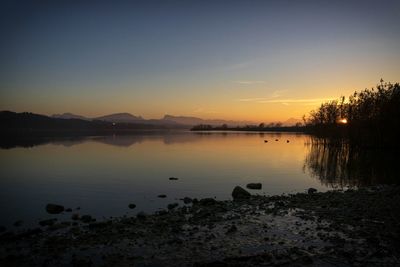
[102, 174]
[338, 164]
[129, 139]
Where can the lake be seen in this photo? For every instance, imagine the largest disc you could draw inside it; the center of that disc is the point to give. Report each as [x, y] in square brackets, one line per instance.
[103, 174]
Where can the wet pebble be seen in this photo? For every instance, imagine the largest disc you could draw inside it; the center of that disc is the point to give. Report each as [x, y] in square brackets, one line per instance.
[172, 206]
[54, 208]
[47, 222]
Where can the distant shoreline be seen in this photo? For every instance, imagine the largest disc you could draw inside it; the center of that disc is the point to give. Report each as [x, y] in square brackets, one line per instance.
[300, 129]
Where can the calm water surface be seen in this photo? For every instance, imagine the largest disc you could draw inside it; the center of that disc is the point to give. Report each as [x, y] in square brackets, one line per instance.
[102, 175]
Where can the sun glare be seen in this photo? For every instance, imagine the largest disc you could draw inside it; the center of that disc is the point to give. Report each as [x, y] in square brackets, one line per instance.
[342, 121]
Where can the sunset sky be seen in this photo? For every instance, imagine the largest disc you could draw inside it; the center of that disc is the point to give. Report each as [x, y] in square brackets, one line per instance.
[243, 60]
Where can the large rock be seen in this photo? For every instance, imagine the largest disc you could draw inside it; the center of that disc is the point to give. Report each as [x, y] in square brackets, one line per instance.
[240, 193]
[254, 186]
[54, 208]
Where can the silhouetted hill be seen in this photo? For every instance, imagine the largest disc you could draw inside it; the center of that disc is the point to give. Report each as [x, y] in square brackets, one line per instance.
[25, 122]
[167, 120]
[69, 116]
[120, 117]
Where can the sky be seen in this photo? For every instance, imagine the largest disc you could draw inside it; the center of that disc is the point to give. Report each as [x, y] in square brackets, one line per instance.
[242, 60]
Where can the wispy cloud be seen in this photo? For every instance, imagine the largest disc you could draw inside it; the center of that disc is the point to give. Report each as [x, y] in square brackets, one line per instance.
[293, 100]
[278, 93]
[274, 95]
[256, 99]
[286, 101]
[240, 65]
[248, 82]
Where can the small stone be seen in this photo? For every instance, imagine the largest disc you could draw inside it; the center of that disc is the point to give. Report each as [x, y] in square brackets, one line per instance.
[306, 259]
[54, 208]
[173, 178]
[312, 190]
[162, 196]
[81, 262]
[132, 206]
[18, 223]
[172, 206]
[57, 226]
[254, 186]
[162, 212]
[98, 225]
[141, 215]
[187, 200]
[86, 218]
[47, 222]
[232, 229]
[207, 201]
[239, 193]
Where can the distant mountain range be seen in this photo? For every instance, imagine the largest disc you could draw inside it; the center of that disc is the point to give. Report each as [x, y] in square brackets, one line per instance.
[166, 120]
[69, 116]
[12, 121]
[21, 123]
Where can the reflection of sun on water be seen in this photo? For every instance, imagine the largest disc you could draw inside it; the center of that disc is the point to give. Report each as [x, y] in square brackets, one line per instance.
[342, 121]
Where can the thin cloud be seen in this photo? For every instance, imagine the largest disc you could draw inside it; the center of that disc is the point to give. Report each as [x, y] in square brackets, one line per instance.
[286, 101]
[307, 100]
[252, 99]
[274, 95]
[278, 93]
[240, 65]
[249, 82]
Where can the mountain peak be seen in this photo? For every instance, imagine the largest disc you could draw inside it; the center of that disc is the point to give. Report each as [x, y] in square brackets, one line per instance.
[68, 115]
[120, 117]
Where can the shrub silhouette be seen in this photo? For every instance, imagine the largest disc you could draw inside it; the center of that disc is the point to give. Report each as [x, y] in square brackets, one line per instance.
[372, 116]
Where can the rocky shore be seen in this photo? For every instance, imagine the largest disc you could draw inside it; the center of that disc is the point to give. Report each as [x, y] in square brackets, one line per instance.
[336, 228]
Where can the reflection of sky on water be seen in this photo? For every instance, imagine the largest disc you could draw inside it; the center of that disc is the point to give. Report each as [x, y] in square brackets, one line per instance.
[104, 174]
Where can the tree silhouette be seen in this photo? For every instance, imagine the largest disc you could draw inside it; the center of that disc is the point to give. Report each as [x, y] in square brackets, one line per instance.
[370, 117]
